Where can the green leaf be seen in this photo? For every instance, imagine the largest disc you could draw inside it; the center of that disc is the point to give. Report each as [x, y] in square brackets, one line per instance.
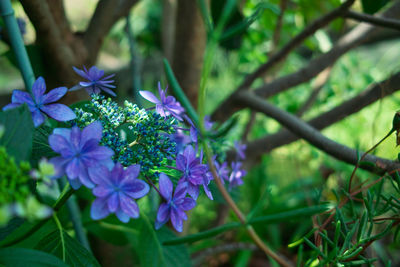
[372, 6]
[41, 147]
[22, 257]
[75, 253]
[17, 138]
[175, 256]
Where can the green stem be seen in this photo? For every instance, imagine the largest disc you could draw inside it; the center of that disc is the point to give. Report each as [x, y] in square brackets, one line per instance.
[17, 44]
[75, 216]
[65, 195]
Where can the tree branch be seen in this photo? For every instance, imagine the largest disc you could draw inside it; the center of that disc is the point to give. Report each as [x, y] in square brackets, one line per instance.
[355, 37]
[297, 40]
[378, 21]
[376, 92]
[314, 137]
[107, 12]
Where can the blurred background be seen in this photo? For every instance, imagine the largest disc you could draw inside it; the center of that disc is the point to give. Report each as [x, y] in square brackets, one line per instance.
[131, 38]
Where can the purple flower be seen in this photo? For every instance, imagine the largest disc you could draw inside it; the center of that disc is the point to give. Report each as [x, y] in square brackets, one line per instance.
[96, 82]
[193, 171]
[222, 170]
[176, 204]
[116, 191]
[194, 132]
[181, 140]
[240, 148]
[207, 177]
[79, 151]
[42, 103]
[166, 105]
[235, 178]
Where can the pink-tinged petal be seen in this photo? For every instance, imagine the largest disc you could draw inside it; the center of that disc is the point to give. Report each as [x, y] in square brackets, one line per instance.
[166, 186]
[176, 220]
[130, 207]
[37, 117]
[163, 213]
[73, 168]
[188, 203]
[99, 209]
[113, 202]
[122, 216]
[21, 97]
[38, 89]
[180, 190]
[160, 110]
[11, 106]
[59, 112]
[149, 96]
[81, 73]
[92, 131]
[102, 191]
[54, 95]
[136, 188]
[58, 143]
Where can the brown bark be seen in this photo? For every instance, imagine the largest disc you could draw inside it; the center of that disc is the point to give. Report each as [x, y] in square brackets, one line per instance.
[190, 42]
[168, 28]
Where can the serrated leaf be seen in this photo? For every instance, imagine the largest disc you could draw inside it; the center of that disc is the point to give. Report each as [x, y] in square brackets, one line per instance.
[22, 257]
[75, 253]
[17, 138]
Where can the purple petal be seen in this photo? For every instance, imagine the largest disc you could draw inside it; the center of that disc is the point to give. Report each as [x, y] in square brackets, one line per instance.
[165, 186]
[113, 202]
[37, 117]
[188, 204]
[193, 191]
[136, 188]
[21, 97]
[65, 132]
[100, 175]
[59, 112]
[84, 177]
[208, 192]
[54, 95]
[149, 96]
[163, 213]
[81, 73]
[75, 137]
[73, 168]
[129, 206]
[109, 91]
[122, 216]
[100, 153]
[58, 143]
[180, 190]
[38, 89]
[181, 162]
[92, 131]
[75, 183]
[102, 191]
[132, 172]
[11, 106]
[176, 220]
[99, 209]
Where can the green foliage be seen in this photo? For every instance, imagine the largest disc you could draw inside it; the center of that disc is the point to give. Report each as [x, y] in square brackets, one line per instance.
[62, 245]
[17, 137]
[22, 257]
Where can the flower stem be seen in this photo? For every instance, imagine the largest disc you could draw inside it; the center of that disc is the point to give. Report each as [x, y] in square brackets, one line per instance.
[65, 195]
[250, 230]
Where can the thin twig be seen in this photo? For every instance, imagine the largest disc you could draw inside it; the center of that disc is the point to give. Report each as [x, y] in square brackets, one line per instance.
[378, 21]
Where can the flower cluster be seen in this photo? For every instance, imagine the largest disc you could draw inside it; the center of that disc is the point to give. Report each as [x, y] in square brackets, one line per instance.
[119, 151]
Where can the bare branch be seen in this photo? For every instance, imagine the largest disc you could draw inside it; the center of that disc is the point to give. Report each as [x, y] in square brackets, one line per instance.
[376, 92]
[107, 12]
[378, 21]
[320, 81]
[314, 137]
[357, 36]
[297, 40]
